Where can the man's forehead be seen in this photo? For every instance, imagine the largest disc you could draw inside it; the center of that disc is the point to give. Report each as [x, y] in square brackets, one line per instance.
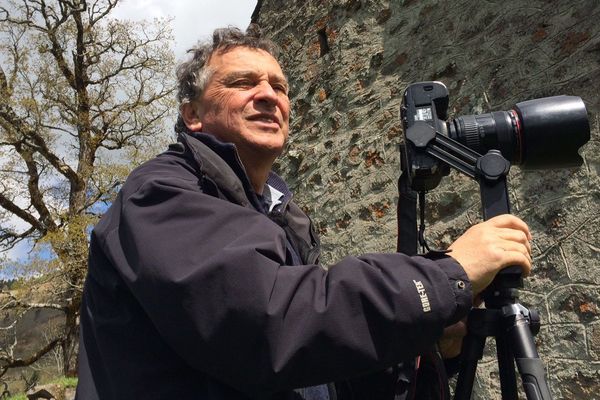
[245, 61]
[242, 55]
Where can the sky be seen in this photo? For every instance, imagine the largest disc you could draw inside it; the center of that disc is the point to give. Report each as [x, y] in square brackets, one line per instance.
[193, 20]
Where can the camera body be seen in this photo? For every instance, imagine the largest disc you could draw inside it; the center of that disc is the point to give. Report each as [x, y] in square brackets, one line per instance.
[423, 103]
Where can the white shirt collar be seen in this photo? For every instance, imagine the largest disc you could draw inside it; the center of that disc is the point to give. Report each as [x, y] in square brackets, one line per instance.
[272, 196]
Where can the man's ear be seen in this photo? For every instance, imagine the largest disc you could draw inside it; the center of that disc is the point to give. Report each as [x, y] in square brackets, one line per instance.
[189, 114]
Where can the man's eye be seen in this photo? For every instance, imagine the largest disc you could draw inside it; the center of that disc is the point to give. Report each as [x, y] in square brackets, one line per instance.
[243, 83]
[280, 88]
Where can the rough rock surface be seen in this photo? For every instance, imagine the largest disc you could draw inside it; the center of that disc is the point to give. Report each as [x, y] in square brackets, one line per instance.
[349, 61]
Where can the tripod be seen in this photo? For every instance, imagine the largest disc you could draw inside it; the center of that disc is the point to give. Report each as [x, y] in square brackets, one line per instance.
[504, 318]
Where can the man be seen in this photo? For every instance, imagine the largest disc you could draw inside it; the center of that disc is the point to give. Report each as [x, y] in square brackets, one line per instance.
[204, 280]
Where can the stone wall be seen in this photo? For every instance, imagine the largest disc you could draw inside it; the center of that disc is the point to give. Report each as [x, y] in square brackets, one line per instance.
[350, 60]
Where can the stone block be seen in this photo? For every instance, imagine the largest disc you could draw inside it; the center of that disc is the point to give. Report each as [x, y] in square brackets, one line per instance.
[574, 303]
[566, 340]
[570, 379]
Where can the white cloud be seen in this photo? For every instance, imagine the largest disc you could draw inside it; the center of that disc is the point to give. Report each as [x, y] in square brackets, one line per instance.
[193, 20]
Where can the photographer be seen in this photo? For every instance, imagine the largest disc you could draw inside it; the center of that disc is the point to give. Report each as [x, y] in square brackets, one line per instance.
[204, 280]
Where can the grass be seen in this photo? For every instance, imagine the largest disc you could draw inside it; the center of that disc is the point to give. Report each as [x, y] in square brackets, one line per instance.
[17, 397]
[65, 381]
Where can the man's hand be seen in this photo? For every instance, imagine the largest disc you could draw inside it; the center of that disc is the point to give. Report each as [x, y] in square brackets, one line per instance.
[486, 248]
[450, 344]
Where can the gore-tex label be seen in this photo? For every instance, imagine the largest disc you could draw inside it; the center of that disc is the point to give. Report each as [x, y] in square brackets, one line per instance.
[423, 295]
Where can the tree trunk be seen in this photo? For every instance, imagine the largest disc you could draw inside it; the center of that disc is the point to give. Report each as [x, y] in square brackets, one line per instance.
[70, 342]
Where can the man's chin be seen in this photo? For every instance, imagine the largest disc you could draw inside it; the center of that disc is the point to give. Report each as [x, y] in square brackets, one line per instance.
[270, 149]
[264, 149]
[269, 141]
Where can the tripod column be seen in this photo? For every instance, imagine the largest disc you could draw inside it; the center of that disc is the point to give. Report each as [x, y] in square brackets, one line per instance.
[529, 364]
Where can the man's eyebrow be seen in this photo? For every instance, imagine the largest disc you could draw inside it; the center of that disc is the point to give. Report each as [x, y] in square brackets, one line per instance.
[239, 74]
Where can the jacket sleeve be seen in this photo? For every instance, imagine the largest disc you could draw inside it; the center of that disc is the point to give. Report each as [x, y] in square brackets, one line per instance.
[211, 276]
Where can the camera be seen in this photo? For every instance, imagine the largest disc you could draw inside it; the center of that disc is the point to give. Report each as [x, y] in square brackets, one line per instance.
[535, 134]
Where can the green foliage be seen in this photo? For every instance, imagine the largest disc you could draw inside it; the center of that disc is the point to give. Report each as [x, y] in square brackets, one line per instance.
[65, 381]
[8, 283]
[14, 284]
[21, 396]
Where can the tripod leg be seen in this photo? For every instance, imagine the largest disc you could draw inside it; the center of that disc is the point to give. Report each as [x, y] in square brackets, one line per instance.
[506, 366]
[528, 361]
[471, 354]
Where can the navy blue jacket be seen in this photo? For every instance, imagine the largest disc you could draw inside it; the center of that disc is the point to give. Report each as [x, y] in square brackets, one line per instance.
[192, 292]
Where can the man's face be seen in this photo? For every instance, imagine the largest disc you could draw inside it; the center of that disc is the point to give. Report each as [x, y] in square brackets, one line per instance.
[245, 102]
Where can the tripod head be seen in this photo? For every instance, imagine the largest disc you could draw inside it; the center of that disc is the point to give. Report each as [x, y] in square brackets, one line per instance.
[542, 133]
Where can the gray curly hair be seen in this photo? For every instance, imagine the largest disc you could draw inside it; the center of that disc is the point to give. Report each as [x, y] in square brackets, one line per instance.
[192, 75]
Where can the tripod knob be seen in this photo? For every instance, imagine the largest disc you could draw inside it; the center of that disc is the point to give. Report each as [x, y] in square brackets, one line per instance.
[492, 166]
[534, 322]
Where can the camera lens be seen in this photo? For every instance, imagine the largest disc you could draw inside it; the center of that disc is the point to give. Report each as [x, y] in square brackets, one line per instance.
[498, 130]
[536, 134]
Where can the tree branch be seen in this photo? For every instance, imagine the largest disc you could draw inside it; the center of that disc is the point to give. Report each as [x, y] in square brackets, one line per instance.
[3, 83]
[57, 50]
[36, 197]
[12, 362]
[9, 239]
[10, 121]
[11, 207]
[98, 14]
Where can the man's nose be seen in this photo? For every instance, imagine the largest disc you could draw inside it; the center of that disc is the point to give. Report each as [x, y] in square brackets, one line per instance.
[266, 93]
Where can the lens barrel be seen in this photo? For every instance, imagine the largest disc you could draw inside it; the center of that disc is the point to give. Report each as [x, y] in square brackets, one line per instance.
[497, 130]
[536, 134]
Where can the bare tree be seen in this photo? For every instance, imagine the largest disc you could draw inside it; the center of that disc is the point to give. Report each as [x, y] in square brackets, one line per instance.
[80, 92]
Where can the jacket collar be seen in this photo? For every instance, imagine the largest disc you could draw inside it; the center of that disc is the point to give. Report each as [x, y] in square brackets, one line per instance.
[217, 160]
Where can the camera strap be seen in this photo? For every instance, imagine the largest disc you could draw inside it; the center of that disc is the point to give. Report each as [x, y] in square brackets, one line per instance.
[409, 237]
[407, 216]
[422, 241]
[428, 380]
